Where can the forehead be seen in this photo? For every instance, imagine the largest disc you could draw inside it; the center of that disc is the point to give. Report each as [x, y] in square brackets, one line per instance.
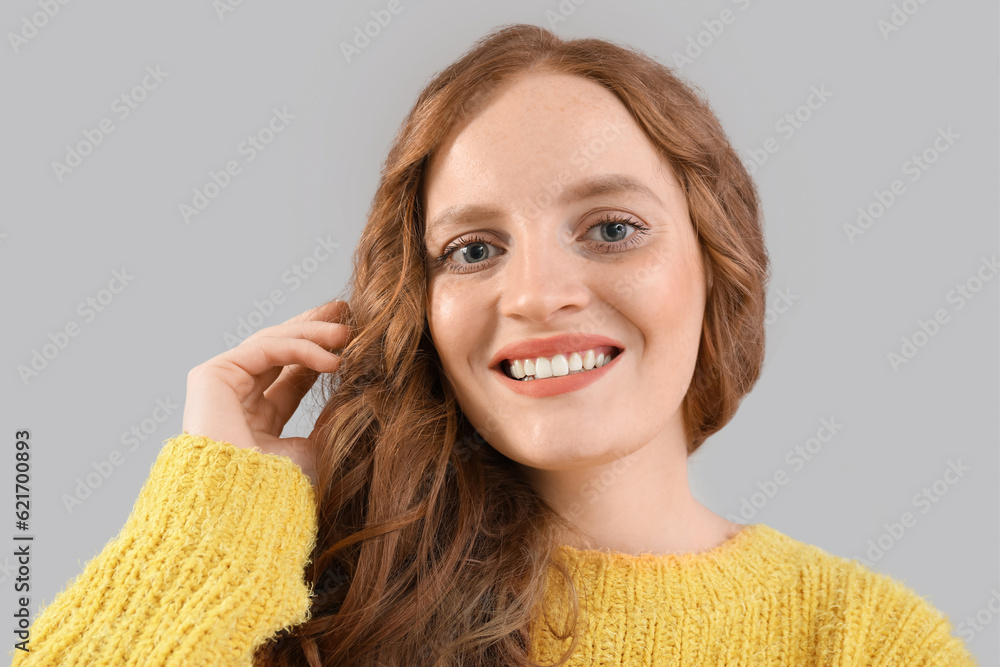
[540, 135]
[548, 117]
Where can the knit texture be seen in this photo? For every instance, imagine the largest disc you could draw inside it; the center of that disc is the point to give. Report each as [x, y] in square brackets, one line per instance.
[210, 564]
[760, 598]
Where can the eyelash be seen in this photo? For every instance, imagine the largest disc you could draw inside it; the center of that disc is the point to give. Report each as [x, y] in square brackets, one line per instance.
[640, 231]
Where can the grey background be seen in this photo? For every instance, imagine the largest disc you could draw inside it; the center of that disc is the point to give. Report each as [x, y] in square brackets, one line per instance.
[827, 353]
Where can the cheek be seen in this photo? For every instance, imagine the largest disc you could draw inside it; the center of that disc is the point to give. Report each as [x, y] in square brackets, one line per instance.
[437, 319]
[446, 318]
[669, 309]
[687, 305]
[668, 312]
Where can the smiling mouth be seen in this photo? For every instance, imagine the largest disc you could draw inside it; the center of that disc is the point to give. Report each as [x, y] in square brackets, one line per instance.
[559, 365]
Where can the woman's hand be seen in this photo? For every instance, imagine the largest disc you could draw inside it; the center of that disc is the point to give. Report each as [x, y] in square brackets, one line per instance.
[246, 396]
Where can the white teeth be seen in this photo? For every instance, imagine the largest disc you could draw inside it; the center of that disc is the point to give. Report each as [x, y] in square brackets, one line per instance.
[556, 366]
[560, 365]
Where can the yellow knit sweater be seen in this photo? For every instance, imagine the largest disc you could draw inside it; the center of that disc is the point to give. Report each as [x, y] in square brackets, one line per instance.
[210, 564]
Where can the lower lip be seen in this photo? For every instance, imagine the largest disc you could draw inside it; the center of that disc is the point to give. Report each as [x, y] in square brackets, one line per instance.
[556, 385]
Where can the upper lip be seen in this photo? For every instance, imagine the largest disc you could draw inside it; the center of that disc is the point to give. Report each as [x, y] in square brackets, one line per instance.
[543, 347]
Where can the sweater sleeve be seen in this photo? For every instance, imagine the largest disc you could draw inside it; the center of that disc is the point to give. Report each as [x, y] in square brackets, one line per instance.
[903, 628]
[209, 565]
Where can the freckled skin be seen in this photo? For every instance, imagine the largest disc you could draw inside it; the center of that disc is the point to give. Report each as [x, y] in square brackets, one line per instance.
[543, 273]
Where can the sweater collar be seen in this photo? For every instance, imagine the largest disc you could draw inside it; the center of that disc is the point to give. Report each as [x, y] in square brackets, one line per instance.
[751, 544]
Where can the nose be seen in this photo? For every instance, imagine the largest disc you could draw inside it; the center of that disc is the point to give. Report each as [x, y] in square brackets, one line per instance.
[542, 278]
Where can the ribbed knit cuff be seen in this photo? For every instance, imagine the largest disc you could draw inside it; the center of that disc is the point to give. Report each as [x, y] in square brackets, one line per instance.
[208, 565]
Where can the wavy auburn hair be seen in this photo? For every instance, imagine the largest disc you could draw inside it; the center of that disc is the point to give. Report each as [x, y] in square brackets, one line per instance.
[432, 548]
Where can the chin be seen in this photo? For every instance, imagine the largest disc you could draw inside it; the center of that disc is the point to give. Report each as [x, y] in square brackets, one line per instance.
[562, 454]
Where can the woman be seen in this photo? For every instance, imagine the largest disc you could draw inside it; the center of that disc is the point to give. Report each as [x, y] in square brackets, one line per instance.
[559, 295]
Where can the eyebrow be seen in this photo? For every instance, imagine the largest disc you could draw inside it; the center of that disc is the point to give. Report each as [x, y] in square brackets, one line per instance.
[593, 187]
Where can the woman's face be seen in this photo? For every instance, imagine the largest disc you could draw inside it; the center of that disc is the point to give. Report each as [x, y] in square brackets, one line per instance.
[564, 221]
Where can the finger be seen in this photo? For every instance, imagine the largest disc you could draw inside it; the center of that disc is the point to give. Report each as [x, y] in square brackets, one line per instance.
[258, 357]
[287, 391]
[328, 313]
[293, 382]
[333, 337]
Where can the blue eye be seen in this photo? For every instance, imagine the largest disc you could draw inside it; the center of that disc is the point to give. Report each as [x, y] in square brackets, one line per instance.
[476, 248]
[617, 224]
[473, 248]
